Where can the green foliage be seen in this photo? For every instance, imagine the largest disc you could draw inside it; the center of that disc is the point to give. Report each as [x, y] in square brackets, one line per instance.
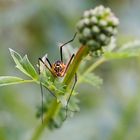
[53, 84]
[131, 49]
[92, 79]
[24, 65]
[9, 80]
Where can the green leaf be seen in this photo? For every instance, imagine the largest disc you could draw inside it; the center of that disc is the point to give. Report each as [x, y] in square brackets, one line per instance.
[119, 55]
[23, 64]
[131, 49]
[92, 79]
[9, 80]
[132, 46]
[29, 67]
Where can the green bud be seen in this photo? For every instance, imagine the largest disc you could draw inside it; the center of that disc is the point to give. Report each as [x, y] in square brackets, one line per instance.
[102, 23]
[93, 20]
[102, 37]
[87, 33]
[113, 21]
[93, 45]
[82, 39]
[80, 25]
[93, 12]
[86, 14]
[107, 11]
[109, 29]
[87, 21]
[95, 29]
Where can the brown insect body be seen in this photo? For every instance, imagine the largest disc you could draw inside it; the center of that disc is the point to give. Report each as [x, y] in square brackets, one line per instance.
[58, 68]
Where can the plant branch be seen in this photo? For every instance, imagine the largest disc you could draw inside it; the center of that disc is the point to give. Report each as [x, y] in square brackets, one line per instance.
[92, 67]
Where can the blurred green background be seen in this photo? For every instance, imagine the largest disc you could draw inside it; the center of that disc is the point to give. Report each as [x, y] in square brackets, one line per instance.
[35, 27]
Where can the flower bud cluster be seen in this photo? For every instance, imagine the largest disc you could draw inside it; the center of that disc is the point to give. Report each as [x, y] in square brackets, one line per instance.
[96, 27]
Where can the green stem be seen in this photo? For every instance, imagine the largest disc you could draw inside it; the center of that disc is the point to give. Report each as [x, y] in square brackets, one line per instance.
[38, 131]
[95, 65]
[92, 67]
[82, 52]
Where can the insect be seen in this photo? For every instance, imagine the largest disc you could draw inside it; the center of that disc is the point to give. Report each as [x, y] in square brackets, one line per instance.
[58, 69]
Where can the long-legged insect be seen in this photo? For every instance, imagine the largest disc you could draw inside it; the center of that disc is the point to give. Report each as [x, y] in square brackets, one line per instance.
[58, 69]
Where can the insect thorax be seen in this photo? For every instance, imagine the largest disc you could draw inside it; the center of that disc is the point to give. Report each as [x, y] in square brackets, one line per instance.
[58, 68]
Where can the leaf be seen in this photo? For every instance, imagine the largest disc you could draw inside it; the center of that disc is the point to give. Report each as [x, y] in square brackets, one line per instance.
[92, 79]
[131, 46]
[29, 67]
[23, 64]
[9, 80]
[131, 49]
[119, 55]
[112, 45]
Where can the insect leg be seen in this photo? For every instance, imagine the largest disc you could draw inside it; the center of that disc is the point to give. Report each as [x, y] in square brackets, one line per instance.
[41, 91]
[68, 64]
[61, 54]
[48, 62]
[51, 72]
[75, 81]
[40, 60]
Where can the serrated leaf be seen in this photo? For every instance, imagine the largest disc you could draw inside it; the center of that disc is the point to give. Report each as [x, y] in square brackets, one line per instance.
[23, 64]
[112, 44]
[9, 80]
[131, 49]
[132, 46]
[92, 79]
[28, 67]
[119, 55]
[63, 100]
[17, 59]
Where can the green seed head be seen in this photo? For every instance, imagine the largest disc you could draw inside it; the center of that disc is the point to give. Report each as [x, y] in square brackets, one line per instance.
[96, 27]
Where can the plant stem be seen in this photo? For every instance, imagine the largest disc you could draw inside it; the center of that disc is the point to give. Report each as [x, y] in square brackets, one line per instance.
[92, 67]
[38, 131]
[95, 65]
[82, 52]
